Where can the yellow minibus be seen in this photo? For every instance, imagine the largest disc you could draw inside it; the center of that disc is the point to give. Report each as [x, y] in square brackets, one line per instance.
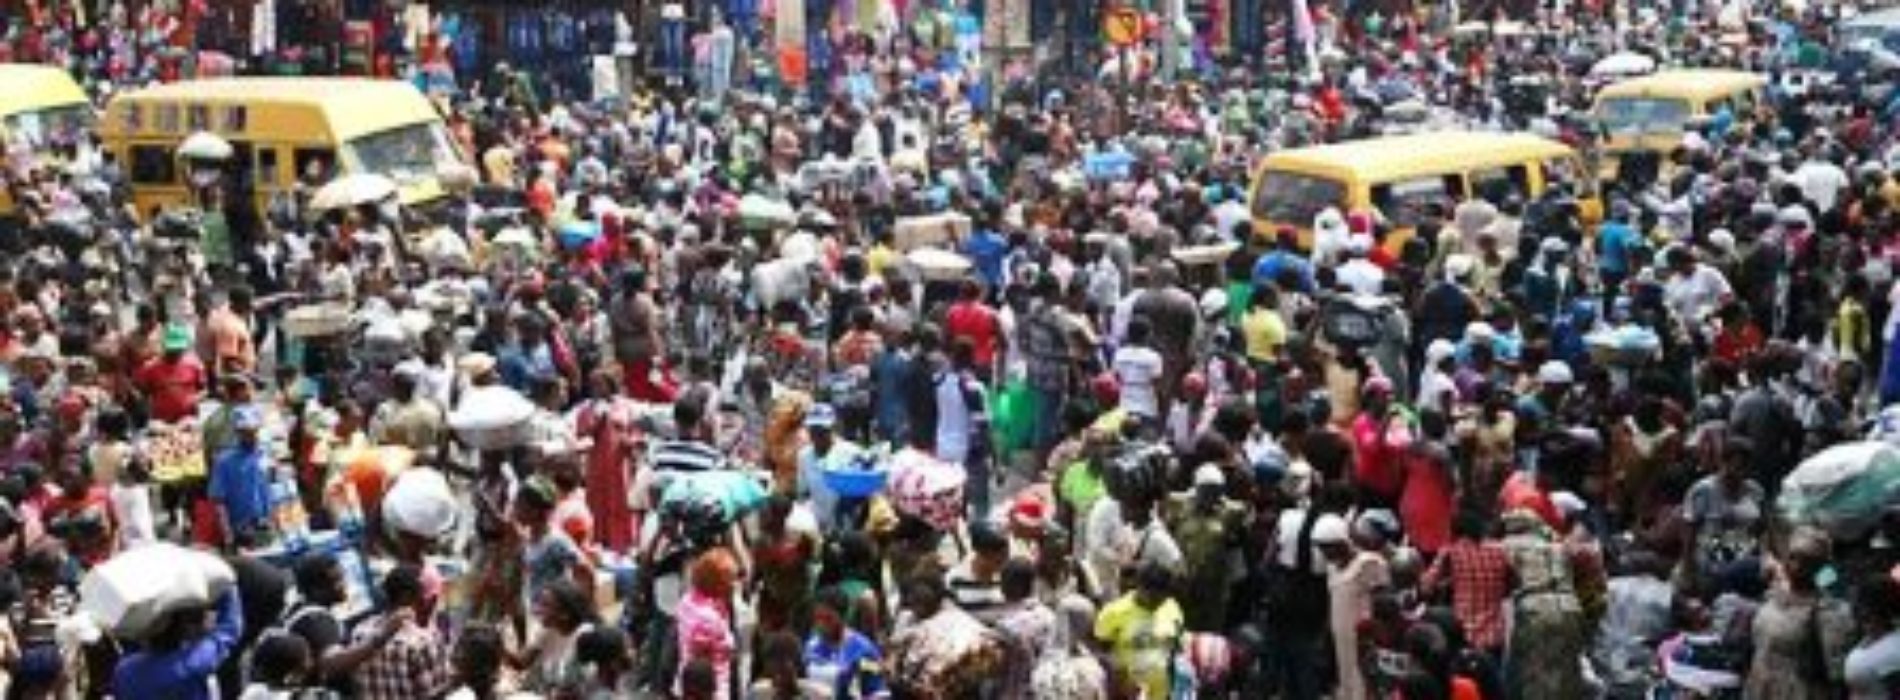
[38, 104]
[1401, 177]
[1651, 113]
[282, 130]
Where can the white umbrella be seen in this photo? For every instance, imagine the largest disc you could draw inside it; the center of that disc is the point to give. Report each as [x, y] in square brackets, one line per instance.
[766, 212]
[516, 237]
[420, 503]
[492, 417]
[1625, 63]
[351, 190]
[205, 145]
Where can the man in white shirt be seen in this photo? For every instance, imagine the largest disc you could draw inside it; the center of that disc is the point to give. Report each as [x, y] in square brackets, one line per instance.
[1138, 367]
[1693, 289]
[960, 403]
[1358, 273]
[1821, 181]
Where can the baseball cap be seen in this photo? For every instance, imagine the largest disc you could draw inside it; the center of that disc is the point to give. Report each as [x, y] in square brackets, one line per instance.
[247, 418]
[1209, 475]
[821, 415]
[1330, 529]
[177, 337]
[1554, 372]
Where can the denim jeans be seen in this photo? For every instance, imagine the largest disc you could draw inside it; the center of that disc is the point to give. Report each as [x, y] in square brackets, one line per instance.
[1246, 26]
[673, 50]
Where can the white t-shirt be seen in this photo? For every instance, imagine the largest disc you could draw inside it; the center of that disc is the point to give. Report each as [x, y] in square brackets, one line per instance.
[132, 505]
[1432, 388]
[1362, 276]
[1288, 533]
[955, 419]
[1690, 296]
[1137, 369]
[1821, 182]
[1870, 667]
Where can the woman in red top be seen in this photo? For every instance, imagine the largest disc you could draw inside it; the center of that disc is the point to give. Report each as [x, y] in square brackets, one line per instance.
[1378, 460]
[1428, 496]
[1739, 338]
[971, 318]
[82, 517]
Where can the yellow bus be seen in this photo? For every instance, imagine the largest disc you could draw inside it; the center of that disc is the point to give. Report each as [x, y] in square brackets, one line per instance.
[1651, 113]
[37, 105]
[282, 130]
[1401, 177]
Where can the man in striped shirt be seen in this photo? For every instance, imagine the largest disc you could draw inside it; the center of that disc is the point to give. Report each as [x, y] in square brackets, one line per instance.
[690, 450]
[976, 584]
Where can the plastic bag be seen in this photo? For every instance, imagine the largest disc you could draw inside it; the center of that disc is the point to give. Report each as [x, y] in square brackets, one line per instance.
[1013, 417]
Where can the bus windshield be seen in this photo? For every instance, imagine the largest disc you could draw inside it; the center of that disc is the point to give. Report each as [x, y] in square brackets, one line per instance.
[1638, 115]
[405, 154]
[41, 128]
[1294, 199]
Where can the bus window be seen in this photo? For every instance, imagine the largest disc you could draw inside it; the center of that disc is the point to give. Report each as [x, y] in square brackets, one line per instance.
[1405, 203]
[1498, 185]
[198, 118]
[1569, 171]
[266, 173]
[236, 119]
[168, 119]
[132, 117]
[153, 165]
[316, 163]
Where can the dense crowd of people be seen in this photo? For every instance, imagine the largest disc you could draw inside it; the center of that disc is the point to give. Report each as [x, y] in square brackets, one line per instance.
[1016, 399]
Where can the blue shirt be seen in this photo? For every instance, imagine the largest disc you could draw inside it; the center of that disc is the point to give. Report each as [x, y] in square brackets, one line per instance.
[855, 661]
[987, 249]
[240, 481]
[1270, 266]
[183, 673]
[1614, 241]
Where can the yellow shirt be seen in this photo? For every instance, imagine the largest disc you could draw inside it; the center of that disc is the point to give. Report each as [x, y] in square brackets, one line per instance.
[882, 258]
[1142, 640]
[500, 164]
[1850, 324]
[1264, 332]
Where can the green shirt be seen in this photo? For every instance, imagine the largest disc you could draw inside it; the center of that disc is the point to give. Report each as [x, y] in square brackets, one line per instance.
[1080, 487]
[217, 239]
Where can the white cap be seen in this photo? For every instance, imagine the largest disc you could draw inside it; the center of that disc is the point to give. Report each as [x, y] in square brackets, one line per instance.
[1479, 330]
[1209, 475]
[1213, 301]
[1568, 503]
[1459, 265]
[1439, 350]
[1554, 372]
[1331, 529]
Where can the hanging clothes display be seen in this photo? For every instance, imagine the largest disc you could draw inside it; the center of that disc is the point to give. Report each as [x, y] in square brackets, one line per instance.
[263, 27]
[721, 51]
[790, 41]
[673, 51]
[416, 26]
[818, 46]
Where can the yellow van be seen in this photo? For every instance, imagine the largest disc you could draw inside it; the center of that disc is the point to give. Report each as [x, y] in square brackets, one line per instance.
[1401, 176]
[38, 103]
[1651, 113]
[280, 129]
